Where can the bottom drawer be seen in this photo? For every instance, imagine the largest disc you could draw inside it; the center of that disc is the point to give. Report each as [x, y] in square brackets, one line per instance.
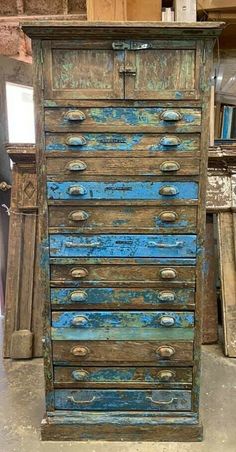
[130, 400]
[94, 377]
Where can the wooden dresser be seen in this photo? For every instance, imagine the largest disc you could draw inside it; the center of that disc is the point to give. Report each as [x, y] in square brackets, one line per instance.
[122, 134]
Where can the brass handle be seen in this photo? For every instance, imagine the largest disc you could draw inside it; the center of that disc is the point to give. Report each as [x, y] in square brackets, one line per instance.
[78, 295]
[166, 320]
[169, 167]
[82, 245]
[168, 273]
[165, 351]
[161, 402]
[78, 402]
[77, 140]
[168, 216]
[170, 141]
[171, 115]
[75, 115]
[80, 375]
[77, 190]
[168, 190]
[79, 272]
[78, 215]
[76, 165]
[4, 186]
[80, 351]
[166, 375]
[166, 245]
[166, 296]
[79, 321]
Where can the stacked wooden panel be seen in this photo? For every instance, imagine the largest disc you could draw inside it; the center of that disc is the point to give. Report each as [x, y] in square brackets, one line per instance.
[123, 137]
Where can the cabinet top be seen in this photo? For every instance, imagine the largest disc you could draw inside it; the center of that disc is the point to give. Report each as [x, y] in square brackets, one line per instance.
[68, 29]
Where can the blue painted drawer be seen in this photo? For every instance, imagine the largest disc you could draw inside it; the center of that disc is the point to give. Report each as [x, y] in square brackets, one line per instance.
[129, 399]
[129, 190]
[105, 298]
[117, 245]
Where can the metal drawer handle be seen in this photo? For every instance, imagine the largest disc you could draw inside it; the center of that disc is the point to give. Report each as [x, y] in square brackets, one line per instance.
[77, 190]
[166, 296]
[79, 321]
[79, 140]
[159, 402]
[168, 216]
[79, 351]
[78, 295]
[166, 245]
[169, 166]
[79, 272]
[165, 320]
[71, 399]
[78, 215]
[166, 375]
[165, 351]
[168, 190]
[171, 115]
[168, 273]
[82, 245]
[75, 115]
[170, 141]
[76, 165]
[80, 375]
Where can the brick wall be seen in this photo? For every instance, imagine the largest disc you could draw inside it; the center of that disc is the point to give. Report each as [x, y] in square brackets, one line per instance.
[13, 42]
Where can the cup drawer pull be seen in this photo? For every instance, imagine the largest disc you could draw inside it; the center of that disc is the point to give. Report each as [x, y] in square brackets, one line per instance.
[79, 140]
[171, 115]
[166, 296]
[79, 272]
[165, 320]
[78, 295]
[168, 216]
[168, 273]
[76, 190]
[80, 351]
[75, 115]
[76, 165]
[78, 402]
[79, 321]
[166, 375]
[166, 245]
[82, 245]
[170, 141]
[168, 190]
[78, 215]
[80, 375]
[165, 351]
[162, 402]
[168, 167]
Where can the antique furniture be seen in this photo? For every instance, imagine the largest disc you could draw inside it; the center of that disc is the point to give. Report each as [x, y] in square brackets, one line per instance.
[122, 131]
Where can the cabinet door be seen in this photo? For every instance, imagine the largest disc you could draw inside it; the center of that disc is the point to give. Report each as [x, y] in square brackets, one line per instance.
[82, 70]
[163, 70]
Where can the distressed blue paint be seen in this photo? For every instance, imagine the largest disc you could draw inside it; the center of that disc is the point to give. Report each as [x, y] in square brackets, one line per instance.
[122, 245]
[122, 297]
[110, 399]
[119, 142]
[122, 190]
[133, 319]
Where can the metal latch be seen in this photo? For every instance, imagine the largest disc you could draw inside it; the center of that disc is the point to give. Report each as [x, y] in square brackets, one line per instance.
[131, 45]
[121, 45]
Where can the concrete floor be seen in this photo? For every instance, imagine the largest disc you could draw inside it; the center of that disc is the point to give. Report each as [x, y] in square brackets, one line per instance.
[22, 407]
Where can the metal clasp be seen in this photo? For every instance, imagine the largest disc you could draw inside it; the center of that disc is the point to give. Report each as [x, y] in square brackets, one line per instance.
[121, 45]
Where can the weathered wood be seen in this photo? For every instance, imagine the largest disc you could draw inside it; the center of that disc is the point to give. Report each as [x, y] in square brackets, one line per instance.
[144, 10]
[106, 10]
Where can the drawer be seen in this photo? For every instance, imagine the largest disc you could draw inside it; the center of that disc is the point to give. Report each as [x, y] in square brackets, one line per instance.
[93, 377]
[123, 352]
[122, 245]
[123, 119]
[128, 325]
[128, 190]
[123, 144]
[109, 298]
[111, 218]
[74, 169]
[87, 274]
[122, 400]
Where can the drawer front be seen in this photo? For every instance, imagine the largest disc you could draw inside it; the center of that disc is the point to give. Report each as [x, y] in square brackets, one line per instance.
[113, 275]
[68, 169]
[122, 298]
[124, 144]
[92, 377]
[123, 352]
[130, 190]
[124, 119]
[115, 400]
[64, 245]
[102, 218]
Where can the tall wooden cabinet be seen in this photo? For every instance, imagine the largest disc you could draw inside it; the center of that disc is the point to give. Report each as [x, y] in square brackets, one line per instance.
[122, 115]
